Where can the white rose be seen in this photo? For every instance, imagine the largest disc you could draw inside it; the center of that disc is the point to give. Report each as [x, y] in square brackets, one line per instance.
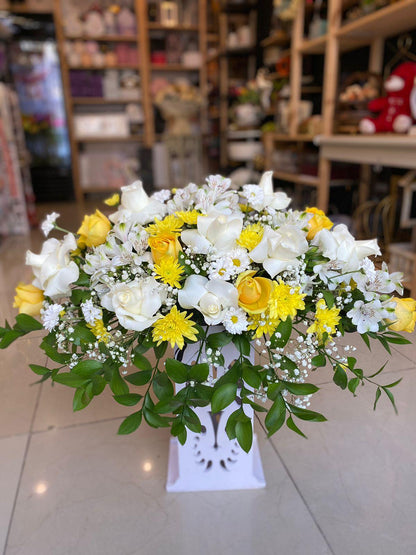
[277, 201]
[280, 248]
[214, 230]
[136, 304]
[136, 205]
[210, 297]
[53, 268]
[339, 245]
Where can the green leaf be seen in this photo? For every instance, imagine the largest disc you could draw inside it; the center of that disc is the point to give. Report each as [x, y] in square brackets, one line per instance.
[366, 340]
[81, 334]
[292, 426]
[276, 416]
[383, 341]
[231, 423]
[223, 396]
[218, 340]
[171, 405]
[397, 339]
[199, 372]
[87, 368]
[378, 395]
[9, 337]
[353, 384]
[61, 358]
[191, 420]
[177, 428]
[98, 385]
[351, 362]
[391, 397]
[154, 420]
[255, 406]
[117, 384]
[177, 371]
[83, 279]
[162, 386]
[393, 384]
[287, 364]
[139, 378]
[129, 399]
[27, 323]
[39, 370]
[242, 344]
[67, 378]
[141, 362]
[131, 423]
[319, 360]
[273, 390]
[329, 298]
[244, 434]
[378, 371]
[305, 414]
[160, 350]
[81, 399]
[231, 376]
[301, 388]
[285, 330]
[340, 377]
[251, 377]
[79, 296]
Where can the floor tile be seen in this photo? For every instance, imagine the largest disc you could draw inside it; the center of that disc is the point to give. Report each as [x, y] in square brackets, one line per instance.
[98, 499]
[12, 451]
[357, 471]
[18, 395]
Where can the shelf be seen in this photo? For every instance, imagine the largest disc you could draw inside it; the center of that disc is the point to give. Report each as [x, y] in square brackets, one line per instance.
[239, 51]
[99, 190]
[390, 150]
[172, 67]
[104, 68]
[98, 100]
[313, 46]
[212, 57]
[104, 38]
[135, 139]
[238, 7]
[159, 27]
[298, 179]
[281, 137]
[276, 39]
[386, 22]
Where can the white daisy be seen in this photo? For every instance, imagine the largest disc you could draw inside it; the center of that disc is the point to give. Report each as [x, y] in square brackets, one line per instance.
[221, 268]
[254, 195]
[91, 313]
[235, 320]
[49, 223]
[367, 316]
[162, 196]
[50, 316]
[239, 260]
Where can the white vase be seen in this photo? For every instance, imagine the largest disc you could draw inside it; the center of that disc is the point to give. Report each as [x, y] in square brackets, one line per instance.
[210, 460]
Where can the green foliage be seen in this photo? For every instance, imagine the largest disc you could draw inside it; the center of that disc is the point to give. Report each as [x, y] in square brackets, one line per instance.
[223, 396]
[131, 423]
[276, 416]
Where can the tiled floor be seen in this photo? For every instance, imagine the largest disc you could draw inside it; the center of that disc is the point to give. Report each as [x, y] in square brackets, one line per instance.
[69, 485]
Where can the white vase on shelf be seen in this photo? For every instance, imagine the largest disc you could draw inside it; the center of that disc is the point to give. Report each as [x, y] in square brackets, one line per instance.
[210, 461]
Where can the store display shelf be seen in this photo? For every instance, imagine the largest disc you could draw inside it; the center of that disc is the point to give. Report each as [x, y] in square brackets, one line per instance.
[173, 67]
[131, 139]
[212, 57]
[91, 100]
[278, 38]
[105, 67]
[381, 149]
[386, 22]
[239, 51]
[104, 38]
[238, 7]
[282, 137]
[160, 27]
[313, 46]
[298, 179]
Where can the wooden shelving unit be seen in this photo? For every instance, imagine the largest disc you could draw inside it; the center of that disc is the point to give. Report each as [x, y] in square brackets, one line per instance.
[145, 69]
[370, 30]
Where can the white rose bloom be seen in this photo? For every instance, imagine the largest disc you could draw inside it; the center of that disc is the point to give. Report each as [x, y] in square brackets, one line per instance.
[136, 304]
[214, 230]
[280, 248]
[53, 268]
[211, 297]
[137, 206]
[339, 245]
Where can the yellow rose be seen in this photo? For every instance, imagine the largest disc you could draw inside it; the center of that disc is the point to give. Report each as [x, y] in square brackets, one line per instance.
[317, 222]
[28, 299]
[93, 230]
[405, 311]
[253, 292]
[165, 244]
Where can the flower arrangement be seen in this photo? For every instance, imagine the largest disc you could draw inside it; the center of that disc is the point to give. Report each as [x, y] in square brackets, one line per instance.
[165, 270]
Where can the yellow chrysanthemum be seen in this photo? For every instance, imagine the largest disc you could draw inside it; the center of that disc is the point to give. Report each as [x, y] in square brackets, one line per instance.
[251, 236]
[285, 301]
[262, 324]
[98, 329]
[174, 327]
[189, 218]
[170, 224]
[113, 200]
[318, 222]
[169, 271]
[326, 320]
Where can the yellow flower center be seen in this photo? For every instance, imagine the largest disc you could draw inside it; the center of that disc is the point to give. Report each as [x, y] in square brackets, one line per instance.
[237, 262]
[234, 319]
